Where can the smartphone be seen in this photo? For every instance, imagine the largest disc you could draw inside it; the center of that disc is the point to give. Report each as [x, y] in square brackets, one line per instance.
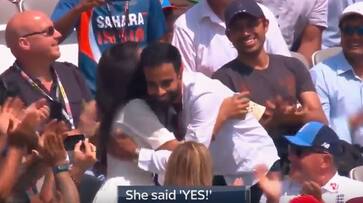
[56, 109]
[72, 140]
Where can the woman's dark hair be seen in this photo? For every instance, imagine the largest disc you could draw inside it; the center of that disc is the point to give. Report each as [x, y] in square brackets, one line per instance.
[119, 79]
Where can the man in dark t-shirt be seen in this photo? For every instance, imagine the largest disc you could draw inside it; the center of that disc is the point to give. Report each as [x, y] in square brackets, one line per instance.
[281, 84]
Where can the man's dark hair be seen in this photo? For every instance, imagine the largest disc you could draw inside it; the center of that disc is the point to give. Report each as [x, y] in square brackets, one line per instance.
[158, 53]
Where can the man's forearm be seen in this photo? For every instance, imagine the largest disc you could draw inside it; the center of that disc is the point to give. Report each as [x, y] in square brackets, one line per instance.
[67, 187]
[9, 171]
[66, 24]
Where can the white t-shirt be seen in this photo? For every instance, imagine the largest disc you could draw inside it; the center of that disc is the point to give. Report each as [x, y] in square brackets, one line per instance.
[137, 120]
[199, 34]
[294, 15]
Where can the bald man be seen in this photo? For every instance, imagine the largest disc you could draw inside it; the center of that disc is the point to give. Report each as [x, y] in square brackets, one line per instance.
[33, 40]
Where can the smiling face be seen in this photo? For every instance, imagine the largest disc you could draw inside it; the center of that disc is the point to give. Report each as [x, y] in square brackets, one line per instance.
[352, 35]
[247, 33]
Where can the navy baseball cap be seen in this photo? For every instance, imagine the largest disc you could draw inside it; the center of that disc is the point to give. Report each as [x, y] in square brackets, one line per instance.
[238, 7]
[316, 135]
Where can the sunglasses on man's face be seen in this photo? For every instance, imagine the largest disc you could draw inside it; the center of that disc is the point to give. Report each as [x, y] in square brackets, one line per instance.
[47, 32]
[349, 30]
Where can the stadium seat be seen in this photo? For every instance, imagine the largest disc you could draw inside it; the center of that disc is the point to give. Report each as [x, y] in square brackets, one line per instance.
[357, 173]
[323, 54]
[301, 58]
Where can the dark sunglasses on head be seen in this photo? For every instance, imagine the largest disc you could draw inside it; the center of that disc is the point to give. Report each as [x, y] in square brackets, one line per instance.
[47, 32]
[348, 30]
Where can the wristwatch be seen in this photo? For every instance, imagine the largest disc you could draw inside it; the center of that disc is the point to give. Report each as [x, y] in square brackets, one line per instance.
[61, 168]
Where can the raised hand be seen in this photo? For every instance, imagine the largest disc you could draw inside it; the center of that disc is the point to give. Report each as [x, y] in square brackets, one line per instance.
[88, 122]
[86, 157]
[312, 188]
[270, 184]
[85, 5]
[54, 152]
[235, 106]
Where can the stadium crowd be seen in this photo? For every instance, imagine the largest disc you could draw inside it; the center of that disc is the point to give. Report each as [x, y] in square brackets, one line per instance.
[265, 94]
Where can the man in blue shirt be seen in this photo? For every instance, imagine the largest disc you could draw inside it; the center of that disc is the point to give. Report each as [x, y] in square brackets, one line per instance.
[102, 23]
[338, 80]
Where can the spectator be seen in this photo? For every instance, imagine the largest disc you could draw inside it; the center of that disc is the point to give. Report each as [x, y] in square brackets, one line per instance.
[102, 23]
[33, 40]
[190, 164]
[301, 23]
[199, 35]
[277, 82]
[338, 79]
[191, 95]
[312, 154]
[331, 35]
[121, 111]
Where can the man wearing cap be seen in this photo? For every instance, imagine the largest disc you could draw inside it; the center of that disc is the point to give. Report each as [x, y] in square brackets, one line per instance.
[312, 153]
[277, 82]
[199, 34]
[338, 80]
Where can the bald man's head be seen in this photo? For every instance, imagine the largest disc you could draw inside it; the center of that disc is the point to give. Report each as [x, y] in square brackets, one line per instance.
[30, 31]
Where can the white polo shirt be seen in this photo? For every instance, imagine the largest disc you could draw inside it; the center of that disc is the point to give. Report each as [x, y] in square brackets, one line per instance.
[239, 146]
[294, 15]
[199, 34]
[338, 189]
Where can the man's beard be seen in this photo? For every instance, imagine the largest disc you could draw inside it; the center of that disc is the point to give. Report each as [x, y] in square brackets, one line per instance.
[169, 99]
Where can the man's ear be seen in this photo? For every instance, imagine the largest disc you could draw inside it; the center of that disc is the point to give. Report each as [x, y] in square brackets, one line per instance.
[266, 23]
[23, 43]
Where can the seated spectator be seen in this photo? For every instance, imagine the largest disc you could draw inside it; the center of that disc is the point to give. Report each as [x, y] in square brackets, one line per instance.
[312, 153]
[301, 23]
[277, 82]
[338, 79]
[33, 40]
[190, 164]
[101, 24]
[331, 35]
[199, 34]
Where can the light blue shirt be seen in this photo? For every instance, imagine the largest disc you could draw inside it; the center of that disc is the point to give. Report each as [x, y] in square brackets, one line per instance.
[331, 35]
[341, 94]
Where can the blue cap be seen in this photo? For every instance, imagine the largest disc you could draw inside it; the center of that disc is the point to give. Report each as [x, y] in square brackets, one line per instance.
[316, 135]
[166, 4]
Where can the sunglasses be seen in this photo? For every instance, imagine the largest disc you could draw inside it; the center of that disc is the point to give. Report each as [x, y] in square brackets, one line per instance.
[300, 152]
[47, 32]
[348, 30]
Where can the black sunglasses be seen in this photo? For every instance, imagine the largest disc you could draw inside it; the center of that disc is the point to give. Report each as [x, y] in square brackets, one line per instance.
[47, 32]
[348, 30]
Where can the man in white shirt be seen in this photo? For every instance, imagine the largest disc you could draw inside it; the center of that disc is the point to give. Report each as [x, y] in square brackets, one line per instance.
[312, 152]
[239, 144]
[199, 34]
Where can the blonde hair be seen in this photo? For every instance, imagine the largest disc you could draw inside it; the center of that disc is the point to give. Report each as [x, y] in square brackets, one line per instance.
[190, 164]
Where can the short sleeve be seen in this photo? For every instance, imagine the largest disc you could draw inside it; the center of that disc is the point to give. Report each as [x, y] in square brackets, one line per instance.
[302, 75]
[223, 76]
[156, 22]
[138, 120]
[319, 14]
[62, 8]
